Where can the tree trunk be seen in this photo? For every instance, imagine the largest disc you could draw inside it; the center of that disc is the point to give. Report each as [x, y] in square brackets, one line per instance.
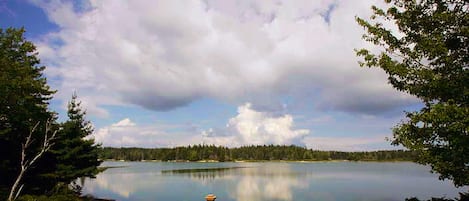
[15, 186]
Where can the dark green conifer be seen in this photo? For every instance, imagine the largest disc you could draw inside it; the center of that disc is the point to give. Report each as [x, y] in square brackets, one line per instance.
[75, 151]
[24, 96]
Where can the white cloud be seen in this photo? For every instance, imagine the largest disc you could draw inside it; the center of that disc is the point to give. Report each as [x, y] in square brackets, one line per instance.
[124, 123]
[253, 127]
[127, 133]
[248, 127]
[165, 54]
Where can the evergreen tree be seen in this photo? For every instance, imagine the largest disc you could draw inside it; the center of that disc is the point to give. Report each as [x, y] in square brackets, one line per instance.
[24, 96]
[76, 153]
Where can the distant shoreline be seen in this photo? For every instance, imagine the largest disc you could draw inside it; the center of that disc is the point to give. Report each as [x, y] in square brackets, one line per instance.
[256, 161]
[278, 153]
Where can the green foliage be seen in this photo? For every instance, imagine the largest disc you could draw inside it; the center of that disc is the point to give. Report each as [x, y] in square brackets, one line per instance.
[439, 133]
[264, 152]
[61, 193]
[55, 197]
[76, 154]
[23, 100]
[24, 96]
[462, 197]
[427, 56]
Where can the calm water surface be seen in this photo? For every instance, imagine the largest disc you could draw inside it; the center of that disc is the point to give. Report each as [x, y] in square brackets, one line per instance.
[268, 181]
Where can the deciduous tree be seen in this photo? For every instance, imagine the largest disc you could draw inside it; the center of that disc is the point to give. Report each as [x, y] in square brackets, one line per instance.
[426, 55]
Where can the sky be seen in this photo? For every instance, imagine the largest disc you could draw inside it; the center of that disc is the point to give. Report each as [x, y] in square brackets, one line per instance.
[230, 73]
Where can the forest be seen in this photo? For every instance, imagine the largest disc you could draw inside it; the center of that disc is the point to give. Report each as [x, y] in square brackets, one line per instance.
[249, 153]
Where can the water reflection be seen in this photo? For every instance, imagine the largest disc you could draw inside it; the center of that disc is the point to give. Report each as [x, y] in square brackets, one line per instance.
[204, 175]
[261, 182]
[268, 181]
[197, 170]
[274, 183]
[123, 184]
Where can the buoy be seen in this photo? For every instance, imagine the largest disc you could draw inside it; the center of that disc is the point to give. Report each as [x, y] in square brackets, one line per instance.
[210, 197]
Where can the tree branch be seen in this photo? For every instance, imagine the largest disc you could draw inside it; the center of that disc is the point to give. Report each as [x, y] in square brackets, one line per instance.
[25, 164]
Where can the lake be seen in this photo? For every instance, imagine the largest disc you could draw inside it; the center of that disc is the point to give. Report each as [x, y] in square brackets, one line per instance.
[266, 181]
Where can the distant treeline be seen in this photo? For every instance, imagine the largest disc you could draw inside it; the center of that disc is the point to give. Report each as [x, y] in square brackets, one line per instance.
[260, 152]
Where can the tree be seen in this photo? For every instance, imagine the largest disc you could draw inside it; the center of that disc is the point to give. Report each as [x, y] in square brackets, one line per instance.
[31, 158]
[26, 161]
[427, 55]
[76, 153]
[24, 96]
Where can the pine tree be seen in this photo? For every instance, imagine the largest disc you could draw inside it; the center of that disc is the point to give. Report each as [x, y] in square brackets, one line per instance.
[24, 96]
[76, 153]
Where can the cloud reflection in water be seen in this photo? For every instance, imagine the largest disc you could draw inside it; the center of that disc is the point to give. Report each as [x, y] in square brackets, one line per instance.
[268, 181]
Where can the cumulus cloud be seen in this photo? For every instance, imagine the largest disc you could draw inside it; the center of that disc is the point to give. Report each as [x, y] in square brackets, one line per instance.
[126, 133]
[253, 127]
[164, 54]
[248, 127]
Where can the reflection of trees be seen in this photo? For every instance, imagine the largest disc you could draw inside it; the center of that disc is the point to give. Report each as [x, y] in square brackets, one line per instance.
[261, 182]
[205, 175]
[268, 182]
[264, 182]
[208, 176]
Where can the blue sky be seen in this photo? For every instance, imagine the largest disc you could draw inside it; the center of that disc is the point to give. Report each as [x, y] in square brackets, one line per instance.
[170, 73]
